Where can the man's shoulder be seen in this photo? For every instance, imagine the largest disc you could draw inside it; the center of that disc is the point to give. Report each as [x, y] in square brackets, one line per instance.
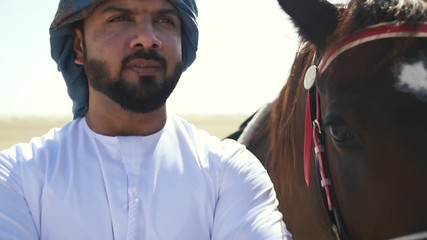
[41, 144]
[226, 151]
[199, 136]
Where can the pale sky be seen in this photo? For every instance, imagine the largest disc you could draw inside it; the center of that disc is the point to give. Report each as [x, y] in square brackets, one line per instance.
[245, 52]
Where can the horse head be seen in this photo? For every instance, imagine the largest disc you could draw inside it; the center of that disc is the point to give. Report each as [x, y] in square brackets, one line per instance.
[366, 105]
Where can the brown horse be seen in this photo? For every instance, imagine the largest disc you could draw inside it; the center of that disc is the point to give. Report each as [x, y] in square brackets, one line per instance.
[367, 121]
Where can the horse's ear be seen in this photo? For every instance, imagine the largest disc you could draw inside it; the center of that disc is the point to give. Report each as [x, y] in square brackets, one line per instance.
[314, 19]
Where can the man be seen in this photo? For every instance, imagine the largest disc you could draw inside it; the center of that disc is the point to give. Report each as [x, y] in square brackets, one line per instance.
[124, 168]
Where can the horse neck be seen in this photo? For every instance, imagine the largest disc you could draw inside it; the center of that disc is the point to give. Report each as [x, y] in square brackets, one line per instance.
[301, 205]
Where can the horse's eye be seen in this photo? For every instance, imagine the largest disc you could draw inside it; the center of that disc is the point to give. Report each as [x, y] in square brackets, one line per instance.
[340, 133]
[343, 135]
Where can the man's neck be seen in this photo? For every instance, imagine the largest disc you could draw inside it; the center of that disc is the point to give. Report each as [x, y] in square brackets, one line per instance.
[115, 121]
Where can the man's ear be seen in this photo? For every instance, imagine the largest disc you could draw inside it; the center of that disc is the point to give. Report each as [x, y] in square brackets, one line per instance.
[78, 46]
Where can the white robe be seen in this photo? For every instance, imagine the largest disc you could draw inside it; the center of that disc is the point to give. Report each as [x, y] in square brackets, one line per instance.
[179, 183]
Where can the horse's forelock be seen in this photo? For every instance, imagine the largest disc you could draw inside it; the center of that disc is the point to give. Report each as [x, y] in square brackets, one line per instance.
[359, 14]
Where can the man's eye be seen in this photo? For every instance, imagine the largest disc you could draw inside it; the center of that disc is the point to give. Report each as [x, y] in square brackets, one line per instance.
[166, 20]
[119, 19]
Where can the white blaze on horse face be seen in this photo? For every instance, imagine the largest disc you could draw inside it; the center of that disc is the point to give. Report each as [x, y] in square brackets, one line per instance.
[412, 78]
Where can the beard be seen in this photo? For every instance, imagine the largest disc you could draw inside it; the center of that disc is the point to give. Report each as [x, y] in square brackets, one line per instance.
[145, 96]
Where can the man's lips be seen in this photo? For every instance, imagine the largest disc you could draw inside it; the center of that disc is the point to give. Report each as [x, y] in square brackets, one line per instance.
[144, 67]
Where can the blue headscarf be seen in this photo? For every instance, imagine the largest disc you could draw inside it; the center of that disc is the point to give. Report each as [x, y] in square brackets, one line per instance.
[62, 36]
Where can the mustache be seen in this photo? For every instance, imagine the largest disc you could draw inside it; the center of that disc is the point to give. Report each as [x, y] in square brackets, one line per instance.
[147, 55]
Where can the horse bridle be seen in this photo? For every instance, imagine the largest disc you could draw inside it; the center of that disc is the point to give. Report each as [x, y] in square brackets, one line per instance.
[313, 128]
[313, 131]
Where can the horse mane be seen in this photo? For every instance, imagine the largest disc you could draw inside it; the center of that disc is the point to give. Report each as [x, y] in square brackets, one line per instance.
[355, 15]
[283, 117]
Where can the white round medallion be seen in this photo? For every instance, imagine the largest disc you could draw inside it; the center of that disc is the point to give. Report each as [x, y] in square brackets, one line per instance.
[310, 77]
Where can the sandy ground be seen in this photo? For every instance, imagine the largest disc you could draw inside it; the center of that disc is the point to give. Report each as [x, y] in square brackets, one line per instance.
[22, 129]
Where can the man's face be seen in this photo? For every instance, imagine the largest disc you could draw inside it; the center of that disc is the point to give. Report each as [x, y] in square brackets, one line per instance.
[131, 52]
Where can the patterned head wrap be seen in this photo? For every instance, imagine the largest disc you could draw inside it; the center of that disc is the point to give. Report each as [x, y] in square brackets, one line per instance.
[62, 36]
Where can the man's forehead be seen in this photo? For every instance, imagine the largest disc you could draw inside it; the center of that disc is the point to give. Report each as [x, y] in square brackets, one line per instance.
[70, 11]
[132, 5]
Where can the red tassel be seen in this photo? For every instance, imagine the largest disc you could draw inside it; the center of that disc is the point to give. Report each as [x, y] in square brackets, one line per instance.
[308, 140]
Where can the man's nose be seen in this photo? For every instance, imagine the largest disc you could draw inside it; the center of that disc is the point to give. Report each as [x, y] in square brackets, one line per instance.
[145, 37]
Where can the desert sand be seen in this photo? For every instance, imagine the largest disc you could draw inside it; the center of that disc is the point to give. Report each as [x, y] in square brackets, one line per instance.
[22, 129]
